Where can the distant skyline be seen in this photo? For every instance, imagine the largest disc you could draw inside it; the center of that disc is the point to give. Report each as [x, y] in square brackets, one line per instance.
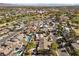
[40, 1]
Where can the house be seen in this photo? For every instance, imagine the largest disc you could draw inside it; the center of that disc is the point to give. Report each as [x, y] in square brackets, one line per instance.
[76, 31]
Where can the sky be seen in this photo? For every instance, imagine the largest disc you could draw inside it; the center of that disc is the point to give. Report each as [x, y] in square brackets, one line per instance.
[41, 1]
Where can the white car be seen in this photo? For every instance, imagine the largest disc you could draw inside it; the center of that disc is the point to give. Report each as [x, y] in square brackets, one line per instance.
[1, 38]
[63, 49]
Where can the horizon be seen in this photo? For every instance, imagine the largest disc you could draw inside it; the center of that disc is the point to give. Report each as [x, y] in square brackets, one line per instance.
[40, 3]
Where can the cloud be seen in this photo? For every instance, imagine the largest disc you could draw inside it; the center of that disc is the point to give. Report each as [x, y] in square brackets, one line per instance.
[41, 1]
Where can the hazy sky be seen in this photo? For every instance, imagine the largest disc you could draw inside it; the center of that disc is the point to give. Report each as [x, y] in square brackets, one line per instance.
[41, 1]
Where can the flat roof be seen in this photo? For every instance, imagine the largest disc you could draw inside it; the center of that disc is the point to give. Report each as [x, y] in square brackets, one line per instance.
[75, 45]
[76, 31]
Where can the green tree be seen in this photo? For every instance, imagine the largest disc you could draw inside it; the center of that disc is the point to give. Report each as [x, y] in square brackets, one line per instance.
[31, 45]
[68, 24]
[1, 22]
[60, 28]
[77, 52]
[72, 33]
[54, 46]
[7, 20]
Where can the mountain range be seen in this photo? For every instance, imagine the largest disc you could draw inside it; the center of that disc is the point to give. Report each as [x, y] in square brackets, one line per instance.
[37, 4]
